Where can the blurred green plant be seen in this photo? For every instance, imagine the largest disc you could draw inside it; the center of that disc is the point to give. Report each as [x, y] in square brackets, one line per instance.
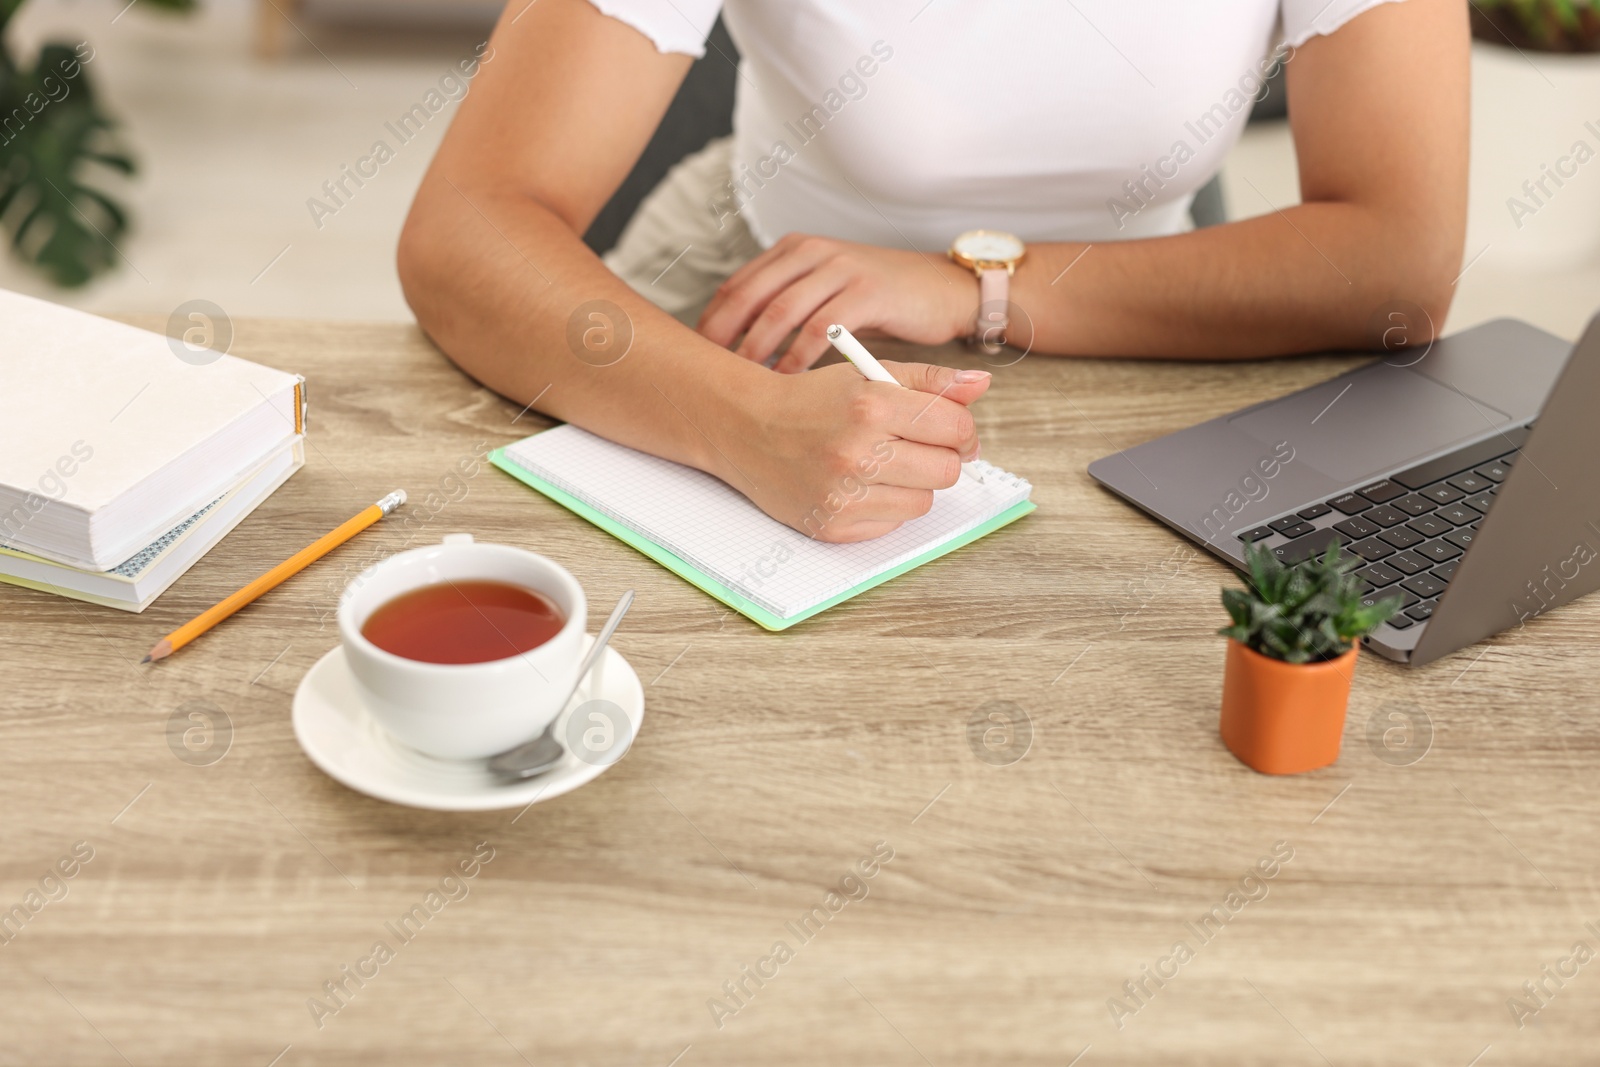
[56, 145]
[1303, 614]
[1547, 25]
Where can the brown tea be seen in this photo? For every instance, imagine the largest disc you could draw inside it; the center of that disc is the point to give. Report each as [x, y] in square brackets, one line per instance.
[463, 622]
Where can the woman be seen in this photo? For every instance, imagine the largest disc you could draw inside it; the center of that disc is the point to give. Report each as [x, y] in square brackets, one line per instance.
[868, 136]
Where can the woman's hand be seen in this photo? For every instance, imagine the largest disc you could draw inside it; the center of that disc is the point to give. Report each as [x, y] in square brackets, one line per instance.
[807, 283]
[840, 458]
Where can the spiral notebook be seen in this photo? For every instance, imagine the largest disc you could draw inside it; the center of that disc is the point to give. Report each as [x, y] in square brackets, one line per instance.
[709, 534]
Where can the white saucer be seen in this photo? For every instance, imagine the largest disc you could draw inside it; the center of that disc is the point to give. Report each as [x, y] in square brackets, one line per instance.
[341, 737]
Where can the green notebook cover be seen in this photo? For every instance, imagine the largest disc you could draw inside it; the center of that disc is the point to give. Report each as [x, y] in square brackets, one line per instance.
[735, 600]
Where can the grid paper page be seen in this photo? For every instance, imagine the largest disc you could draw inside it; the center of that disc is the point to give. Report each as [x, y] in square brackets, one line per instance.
[714, 528]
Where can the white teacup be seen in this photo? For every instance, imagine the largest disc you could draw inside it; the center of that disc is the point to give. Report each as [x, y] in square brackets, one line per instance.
[464, 710]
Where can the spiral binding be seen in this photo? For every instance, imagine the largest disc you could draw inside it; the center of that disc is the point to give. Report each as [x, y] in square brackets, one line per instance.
[987, 473]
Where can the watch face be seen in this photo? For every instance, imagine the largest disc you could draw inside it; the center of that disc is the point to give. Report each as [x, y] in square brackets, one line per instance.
[988, 246]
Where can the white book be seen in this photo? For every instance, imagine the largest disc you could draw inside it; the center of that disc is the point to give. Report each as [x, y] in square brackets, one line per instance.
[708, 533]
[135, 583]
[108, 439]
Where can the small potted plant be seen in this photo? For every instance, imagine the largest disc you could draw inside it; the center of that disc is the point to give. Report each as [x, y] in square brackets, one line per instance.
[1291, 656]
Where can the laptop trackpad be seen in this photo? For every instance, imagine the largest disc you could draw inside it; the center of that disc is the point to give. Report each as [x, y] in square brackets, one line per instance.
[1368, 422]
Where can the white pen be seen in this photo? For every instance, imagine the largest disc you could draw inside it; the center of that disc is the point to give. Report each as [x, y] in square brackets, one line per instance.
[856, 353]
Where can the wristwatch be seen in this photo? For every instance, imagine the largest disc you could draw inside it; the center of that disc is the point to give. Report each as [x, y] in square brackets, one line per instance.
[992, 255]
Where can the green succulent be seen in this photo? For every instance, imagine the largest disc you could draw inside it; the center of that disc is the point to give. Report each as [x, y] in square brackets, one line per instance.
[1302, 614]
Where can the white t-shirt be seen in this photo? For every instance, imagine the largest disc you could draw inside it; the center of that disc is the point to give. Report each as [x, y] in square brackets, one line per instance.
[901, 123]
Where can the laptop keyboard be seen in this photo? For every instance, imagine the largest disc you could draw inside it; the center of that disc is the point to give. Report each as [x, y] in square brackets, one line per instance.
[1410, 529]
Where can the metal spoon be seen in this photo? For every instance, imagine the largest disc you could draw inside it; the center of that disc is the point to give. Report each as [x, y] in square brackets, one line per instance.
[545, 751]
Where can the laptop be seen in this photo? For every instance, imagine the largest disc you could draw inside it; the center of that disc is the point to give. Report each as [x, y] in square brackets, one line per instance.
[1466, 477]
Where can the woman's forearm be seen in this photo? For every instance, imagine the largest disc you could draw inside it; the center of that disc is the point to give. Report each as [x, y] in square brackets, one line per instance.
[1307, 278]
[493, 266]
[516, 299]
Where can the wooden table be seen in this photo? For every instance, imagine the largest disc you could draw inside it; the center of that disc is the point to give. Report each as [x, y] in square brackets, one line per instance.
[1027, 883]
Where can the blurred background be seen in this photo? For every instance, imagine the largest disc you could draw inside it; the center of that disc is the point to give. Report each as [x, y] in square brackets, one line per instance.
[232, 114]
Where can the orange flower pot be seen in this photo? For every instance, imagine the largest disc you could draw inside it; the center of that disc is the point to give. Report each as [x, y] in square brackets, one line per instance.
[1284, 718]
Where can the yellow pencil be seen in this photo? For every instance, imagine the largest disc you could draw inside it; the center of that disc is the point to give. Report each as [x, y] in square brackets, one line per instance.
[275, 577]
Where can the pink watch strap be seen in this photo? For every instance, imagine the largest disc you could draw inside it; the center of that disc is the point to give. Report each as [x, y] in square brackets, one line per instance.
[994, 315]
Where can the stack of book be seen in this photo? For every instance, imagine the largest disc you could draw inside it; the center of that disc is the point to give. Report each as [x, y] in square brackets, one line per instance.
[121, 464]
